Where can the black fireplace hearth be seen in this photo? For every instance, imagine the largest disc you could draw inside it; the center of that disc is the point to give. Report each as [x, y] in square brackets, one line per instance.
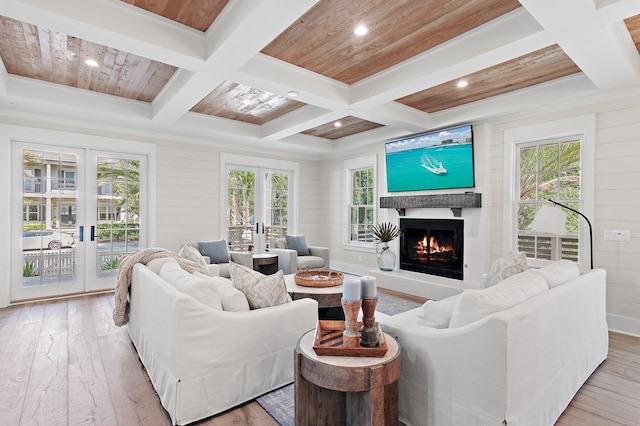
[432, 246]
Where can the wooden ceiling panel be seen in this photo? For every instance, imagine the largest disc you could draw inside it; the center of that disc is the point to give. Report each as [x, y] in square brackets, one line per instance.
[322, 40]
[633, 25]
[349, 126]
[243, 103]
[537, 67]
[33, 52]
[198, 14]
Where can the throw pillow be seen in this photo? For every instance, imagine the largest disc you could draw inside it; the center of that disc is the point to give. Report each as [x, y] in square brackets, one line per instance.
[193, 254]
[217, 250]
[505, 266]
[437, 313]
[297, 243]
[260, 290]
[559, 272]
[196, 287]
[477, 304]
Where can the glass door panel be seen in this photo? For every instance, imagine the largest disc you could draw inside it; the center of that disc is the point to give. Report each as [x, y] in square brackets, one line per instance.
[241, 199]
[46, 220]
[277, 205]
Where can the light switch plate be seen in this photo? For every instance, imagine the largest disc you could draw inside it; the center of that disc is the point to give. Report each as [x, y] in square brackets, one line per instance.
[617, 235]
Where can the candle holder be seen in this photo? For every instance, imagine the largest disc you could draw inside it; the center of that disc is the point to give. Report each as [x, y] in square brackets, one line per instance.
[351, 334]
[369, 332]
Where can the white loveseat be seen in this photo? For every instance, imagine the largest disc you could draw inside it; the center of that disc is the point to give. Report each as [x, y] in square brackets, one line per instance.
[202, 360]
[517, 366]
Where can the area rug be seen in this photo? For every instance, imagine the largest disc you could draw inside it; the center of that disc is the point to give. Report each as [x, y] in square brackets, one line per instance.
[280, 402]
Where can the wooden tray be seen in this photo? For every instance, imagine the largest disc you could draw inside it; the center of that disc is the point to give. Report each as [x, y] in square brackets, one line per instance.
[328, 341]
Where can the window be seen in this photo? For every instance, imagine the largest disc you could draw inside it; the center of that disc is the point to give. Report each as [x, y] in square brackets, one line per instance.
[360, 175]
[556, 160]
[549, 170]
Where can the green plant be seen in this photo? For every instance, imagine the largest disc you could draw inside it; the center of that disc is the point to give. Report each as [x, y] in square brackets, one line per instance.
[29, 269]
[110, 264]
[385, 232]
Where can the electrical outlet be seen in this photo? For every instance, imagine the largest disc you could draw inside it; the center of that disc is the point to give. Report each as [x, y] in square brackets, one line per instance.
[617, 235]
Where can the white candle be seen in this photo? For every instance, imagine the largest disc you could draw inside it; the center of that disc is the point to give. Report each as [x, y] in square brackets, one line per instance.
[368, 284]
[351, 289]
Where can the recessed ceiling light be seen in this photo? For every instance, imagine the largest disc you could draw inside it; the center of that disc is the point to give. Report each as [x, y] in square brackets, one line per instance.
[337, 124]
[246, 101]
[462, 83]
[91, 63]
[360, 30]
[292, 93]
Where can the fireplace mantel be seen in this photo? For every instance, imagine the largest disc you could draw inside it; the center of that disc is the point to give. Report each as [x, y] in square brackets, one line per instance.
[456, 202]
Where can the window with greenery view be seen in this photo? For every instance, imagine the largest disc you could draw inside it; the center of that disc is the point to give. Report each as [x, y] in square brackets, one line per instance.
[361, 208]
[548, 170]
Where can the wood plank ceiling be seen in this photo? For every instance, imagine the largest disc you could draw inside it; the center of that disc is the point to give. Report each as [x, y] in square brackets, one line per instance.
[320, 41]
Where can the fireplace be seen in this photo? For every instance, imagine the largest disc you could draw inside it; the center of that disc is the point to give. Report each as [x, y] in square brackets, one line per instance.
[432, 246]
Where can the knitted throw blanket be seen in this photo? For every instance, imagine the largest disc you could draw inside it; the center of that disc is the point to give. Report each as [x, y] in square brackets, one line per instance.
[125, 270]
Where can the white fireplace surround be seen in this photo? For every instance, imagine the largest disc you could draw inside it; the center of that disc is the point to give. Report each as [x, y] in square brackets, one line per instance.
[434, 287]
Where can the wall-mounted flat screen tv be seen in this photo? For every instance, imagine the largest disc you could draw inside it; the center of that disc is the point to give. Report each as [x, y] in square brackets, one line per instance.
[441, 159]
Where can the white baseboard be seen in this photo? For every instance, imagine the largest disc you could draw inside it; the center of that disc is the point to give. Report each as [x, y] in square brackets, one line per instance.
[624, 325]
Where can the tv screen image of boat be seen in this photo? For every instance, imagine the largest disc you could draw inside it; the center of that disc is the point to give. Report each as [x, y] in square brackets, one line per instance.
[441, 159]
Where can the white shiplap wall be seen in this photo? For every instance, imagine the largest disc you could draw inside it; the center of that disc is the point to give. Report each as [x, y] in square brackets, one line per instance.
[616, 200]
[188, 196]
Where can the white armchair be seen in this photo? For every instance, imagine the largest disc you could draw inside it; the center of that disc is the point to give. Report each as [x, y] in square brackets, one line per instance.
[294, 254]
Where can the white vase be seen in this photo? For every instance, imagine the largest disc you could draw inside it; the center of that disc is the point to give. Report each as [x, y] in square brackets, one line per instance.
[386, 258]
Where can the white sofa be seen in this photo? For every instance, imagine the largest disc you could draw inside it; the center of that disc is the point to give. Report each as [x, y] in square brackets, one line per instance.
[517, 366]
[202, 360]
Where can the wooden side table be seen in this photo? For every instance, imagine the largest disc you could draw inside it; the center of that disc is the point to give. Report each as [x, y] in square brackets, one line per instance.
[265, 263]
[328, 298]
[340, 390]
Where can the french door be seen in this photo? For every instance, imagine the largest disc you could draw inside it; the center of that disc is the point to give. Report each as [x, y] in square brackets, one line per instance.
[77, 212]
[258, 206]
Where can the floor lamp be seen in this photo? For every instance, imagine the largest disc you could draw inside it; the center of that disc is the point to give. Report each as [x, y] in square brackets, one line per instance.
[553, 221]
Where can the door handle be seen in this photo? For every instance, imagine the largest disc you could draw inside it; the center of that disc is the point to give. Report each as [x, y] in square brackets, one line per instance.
[93, 233]
[81, 233]
[263, 228]
[257, 228]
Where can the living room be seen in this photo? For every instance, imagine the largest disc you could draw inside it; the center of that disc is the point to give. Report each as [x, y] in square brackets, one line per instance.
[187, 152]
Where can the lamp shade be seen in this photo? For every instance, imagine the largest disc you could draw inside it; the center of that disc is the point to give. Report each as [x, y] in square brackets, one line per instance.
[549, 219]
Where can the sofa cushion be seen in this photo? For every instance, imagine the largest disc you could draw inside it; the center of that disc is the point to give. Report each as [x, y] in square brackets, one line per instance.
[193, 254]
[437, 313]
[559, 272]
[233, 300]
[297, 243]
[156, 264]
[217, 250]
[476, 304]
[506, 266]
[310, 262]
[261, 290]
[200, 289]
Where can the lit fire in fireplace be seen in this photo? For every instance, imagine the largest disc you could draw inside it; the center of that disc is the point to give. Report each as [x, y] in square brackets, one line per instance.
[425, 247]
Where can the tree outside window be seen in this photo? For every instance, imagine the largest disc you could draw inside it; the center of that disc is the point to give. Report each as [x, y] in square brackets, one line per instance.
[361, 205]
[549, 170]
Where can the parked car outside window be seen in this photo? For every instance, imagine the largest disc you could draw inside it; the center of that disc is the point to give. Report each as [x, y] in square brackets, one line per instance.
[35, 240]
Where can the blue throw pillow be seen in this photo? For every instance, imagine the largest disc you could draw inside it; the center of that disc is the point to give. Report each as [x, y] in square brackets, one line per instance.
[297, 243]
[217, 251]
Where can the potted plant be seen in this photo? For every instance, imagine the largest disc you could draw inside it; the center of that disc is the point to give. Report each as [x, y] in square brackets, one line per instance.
[383, 233]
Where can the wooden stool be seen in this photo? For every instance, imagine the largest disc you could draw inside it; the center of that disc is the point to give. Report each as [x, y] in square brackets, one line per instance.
[342, 390]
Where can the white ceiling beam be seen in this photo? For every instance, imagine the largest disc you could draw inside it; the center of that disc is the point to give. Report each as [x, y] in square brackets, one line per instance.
[114, 24]
[299, 120]
[239, 33]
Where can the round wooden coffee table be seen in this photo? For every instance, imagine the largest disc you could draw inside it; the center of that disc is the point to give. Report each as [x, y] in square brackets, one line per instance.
[328, 298]
[341, 390]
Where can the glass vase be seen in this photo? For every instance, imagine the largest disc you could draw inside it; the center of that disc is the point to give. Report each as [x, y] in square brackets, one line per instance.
[386, 258]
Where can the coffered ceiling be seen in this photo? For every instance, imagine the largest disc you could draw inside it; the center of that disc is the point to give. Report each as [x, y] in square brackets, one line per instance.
[292, 75]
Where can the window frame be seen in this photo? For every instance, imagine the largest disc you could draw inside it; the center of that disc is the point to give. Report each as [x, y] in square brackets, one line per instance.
[580, 127]
[350, 167]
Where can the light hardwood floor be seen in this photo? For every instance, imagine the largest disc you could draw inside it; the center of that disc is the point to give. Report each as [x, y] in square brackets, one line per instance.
[63, 362]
